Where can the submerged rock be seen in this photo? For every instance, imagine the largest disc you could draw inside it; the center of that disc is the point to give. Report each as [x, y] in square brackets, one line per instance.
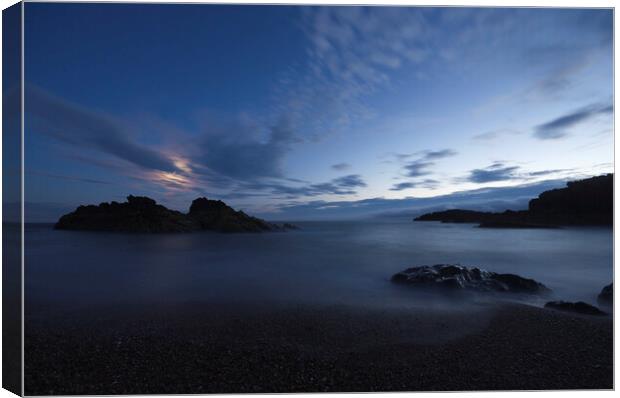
[579, 307]
[606, 296]
[457, 277]
[142, 214]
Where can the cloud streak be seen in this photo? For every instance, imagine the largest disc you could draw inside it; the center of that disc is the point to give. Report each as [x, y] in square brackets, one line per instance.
[341, 166]
[484, 199]
[78, 126]
[500, 171]
[427, 183]
[495, 172]
[425, 161]
[557, 128]
[346, 185]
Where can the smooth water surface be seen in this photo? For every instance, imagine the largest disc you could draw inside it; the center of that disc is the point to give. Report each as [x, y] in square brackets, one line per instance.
[325, 262]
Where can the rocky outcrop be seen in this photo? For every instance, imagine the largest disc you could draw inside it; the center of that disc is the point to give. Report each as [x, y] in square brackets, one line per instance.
[579, 307]
[606, 296]
[138, 214]
[216, 215]
[142, 214]
[584, 202]
[457, 277]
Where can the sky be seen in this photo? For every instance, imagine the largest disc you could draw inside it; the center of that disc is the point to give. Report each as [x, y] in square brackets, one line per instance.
[293, 112]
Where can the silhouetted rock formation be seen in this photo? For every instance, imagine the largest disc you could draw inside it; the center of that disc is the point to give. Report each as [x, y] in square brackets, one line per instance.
[579, 307]
[584, 202]
[216, 215]
[138, 214]
[606, 296]
[457, 277]
[142, 214]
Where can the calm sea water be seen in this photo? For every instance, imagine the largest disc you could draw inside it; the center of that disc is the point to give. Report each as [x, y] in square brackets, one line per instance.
[325, 262]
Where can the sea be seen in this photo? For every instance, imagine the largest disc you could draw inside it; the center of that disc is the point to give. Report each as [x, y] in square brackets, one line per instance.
[335, 263]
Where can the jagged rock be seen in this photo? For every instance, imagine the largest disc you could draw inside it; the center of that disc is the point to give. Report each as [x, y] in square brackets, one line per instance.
[584, 202]
[142, 214]
[138, 214]
[216, 215]
[579, 307]
[606, 296]
[457, 277]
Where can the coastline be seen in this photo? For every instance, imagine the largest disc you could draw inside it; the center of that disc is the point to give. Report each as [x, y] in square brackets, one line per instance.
[233, 348]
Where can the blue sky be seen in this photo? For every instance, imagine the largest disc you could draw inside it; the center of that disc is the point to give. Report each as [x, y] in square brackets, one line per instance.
[291, 111]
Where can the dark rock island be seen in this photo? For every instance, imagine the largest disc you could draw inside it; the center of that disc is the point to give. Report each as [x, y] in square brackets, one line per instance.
[458, 277]
[581, 203]
[142, 214]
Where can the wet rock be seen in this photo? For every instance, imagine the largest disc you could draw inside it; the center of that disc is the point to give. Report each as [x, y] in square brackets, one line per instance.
[579, 307]
[457, 277]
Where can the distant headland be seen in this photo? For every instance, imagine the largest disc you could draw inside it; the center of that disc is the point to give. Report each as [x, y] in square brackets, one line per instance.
[142, 214]
[587, 202]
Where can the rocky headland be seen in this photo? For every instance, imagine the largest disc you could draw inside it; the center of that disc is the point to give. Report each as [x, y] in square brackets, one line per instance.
[586, 202]
[144, 215]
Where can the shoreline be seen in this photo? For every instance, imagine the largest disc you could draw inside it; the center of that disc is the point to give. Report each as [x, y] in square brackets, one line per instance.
[216, 348]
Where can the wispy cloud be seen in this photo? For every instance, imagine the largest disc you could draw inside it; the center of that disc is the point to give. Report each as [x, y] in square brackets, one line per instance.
[421, 166]
[67, 177]
[341, 166]
[558, 128]
[495, 172]
[486, 199]
[494, 134]
[86, 129]
[501, 171]
[346, 185]
[427, 183]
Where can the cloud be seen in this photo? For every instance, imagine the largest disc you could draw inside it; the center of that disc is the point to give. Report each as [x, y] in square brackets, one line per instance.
[426, 159]
[352, 52]
[78, 126]
[496, 172]
[435, 155]
[235, 152]
[68, 178]
[500, 171]
[346, 185]
[484, 199]
[427, 183]
[402, 186]
[418, 168]
[341, 166]
[494, 134]
[351, 181]
[557, 128]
